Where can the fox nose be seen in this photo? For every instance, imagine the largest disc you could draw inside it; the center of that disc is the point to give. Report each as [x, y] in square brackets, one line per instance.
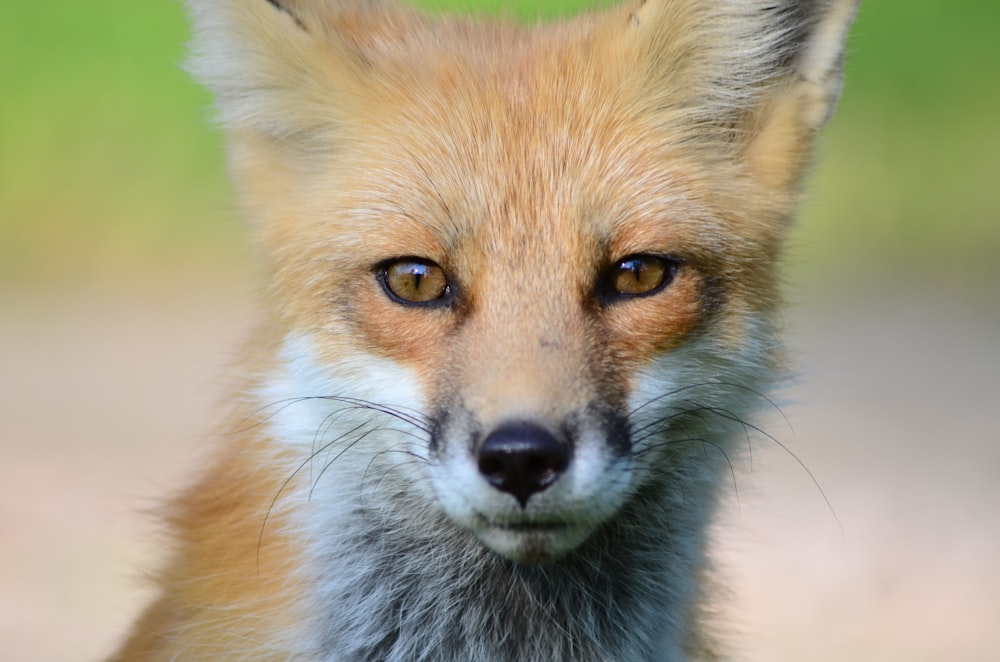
[522, 459]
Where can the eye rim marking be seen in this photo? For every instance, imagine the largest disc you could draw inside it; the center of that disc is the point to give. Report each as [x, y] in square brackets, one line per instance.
[609, 290]
[443, 297]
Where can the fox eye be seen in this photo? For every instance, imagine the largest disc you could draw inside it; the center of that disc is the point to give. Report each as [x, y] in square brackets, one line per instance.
[637, 276]
[414, 281]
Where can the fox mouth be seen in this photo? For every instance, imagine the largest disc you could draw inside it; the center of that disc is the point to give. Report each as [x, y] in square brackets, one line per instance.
[529, 527]
[530, 541]
[526, 524]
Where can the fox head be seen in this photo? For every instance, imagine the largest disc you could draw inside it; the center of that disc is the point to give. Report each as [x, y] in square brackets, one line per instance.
[542, 258]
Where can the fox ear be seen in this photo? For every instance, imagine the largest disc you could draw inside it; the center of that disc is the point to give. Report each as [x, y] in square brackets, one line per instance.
[763, 75]
[784, 125]
[288, 70]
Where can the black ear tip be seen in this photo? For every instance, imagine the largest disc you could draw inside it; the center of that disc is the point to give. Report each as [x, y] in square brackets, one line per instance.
[282, 8]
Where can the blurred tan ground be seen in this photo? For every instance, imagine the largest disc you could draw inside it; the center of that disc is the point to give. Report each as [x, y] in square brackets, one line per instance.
[106, 397]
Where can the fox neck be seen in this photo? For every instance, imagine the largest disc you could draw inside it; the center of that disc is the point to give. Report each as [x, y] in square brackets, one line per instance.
[389, 593]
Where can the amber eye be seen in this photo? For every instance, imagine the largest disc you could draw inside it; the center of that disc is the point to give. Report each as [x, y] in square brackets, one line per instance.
[415, 281]
[638, 275]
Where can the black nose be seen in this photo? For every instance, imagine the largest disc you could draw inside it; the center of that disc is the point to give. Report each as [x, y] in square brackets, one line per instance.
[522, 459]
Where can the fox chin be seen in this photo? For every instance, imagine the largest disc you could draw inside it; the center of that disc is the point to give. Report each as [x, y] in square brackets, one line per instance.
[522, 304]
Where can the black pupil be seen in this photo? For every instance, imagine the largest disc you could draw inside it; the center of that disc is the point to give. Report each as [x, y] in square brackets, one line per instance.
[417, 272]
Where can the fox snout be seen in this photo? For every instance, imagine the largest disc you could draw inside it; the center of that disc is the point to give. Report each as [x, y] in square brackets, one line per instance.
[534, 486]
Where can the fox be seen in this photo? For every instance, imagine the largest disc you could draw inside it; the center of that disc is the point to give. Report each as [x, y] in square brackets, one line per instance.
[522, 303]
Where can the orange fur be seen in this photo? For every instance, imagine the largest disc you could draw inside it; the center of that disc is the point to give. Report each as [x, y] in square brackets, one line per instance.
[246, 577]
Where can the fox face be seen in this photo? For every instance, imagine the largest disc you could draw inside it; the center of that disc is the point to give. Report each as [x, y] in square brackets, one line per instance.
[536, 266]
[523, 292]
[564, 270]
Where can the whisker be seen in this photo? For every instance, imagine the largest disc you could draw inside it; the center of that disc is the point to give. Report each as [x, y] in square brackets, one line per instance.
[291, 477]
[658, 426]
[658, 423]
[278, 406]
[416, 420]
[743, 424]
[406, 414]
[662, 396]
[410, 417]
[349, 447]
[812, 477]
[416, 458]
[734, 385]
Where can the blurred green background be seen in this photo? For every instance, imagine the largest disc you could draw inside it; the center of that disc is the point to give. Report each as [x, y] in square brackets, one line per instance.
[109, 162]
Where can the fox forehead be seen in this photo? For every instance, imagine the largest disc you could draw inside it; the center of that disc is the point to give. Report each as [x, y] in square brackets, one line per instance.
[521, 155]
[523, 182]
